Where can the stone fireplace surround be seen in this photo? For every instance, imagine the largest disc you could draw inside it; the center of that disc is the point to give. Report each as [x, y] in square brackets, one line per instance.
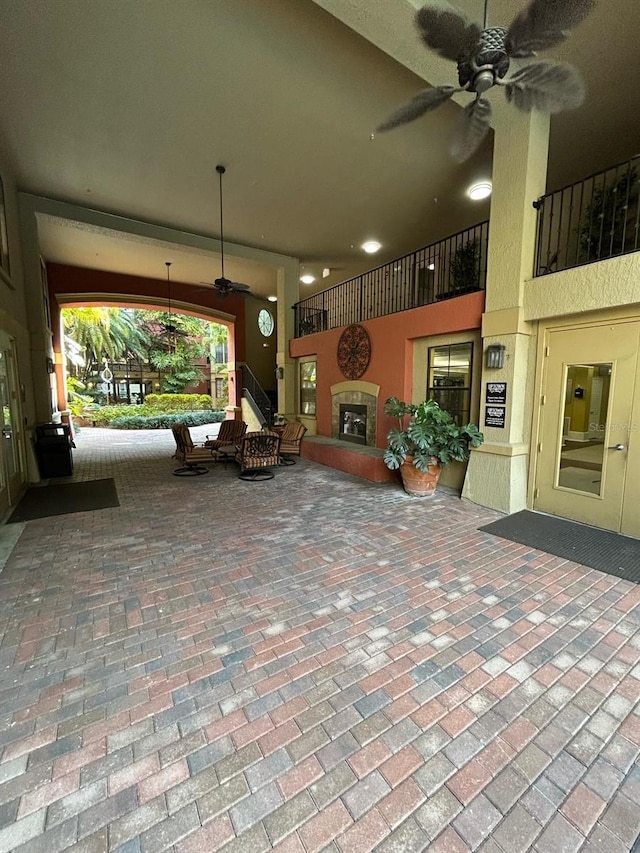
[362, 394]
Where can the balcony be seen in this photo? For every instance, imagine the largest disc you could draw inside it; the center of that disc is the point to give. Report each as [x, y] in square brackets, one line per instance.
[452, 267]
[592, 220]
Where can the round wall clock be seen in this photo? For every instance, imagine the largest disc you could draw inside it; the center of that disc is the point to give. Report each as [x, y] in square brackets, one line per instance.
[354, 351]
[265, 322]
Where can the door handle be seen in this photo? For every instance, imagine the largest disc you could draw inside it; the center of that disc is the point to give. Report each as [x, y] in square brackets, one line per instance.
[616, 447]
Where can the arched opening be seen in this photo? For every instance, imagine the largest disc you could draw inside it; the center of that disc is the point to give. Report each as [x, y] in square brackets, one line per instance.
[74, 287]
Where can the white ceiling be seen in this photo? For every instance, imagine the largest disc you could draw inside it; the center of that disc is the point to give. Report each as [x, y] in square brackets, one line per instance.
[127, 107]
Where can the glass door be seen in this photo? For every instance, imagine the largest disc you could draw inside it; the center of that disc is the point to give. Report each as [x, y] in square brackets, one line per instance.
[587, 449]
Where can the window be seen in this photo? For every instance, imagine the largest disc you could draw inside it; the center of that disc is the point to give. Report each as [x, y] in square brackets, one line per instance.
[449, 379]
[265, 322]
[219, 387]
[221, 353]
[308, 382]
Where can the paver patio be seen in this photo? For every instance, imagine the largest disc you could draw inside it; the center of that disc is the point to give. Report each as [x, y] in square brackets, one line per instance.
[313, 663]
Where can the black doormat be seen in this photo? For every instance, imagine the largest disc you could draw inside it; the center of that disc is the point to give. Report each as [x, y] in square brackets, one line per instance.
[599, 549]
[43, 501]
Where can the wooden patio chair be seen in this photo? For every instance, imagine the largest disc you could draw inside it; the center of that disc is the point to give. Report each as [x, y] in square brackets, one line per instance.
[230, 434]
[291, 437]
[191, 456]
[259, 452]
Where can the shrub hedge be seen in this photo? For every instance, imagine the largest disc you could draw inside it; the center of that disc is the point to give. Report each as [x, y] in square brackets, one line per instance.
[178, 402]
[166, 421]
[154, 405]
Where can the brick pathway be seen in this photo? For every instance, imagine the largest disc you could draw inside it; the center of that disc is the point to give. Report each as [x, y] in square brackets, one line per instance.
[314, 663]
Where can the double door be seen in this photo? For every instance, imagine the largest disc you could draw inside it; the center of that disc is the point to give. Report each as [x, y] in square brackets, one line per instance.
[588, 455]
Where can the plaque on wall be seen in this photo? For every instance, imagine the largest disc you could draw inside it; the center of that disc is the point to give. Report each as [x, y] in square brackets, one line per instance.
[494, 416]
[354, 351]
[496, 394]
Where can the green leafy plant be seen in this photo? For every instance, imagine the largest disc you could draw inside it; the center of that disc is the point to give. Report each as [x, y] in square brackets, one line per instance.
[166, 420]
[425, 431]
[602, 232]
[77, 401]
[465, 266]
[178, 402]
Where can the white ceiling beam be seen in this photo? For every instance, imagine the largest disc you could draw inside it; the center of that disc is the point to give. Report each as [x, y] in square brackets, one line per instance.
[390, 26]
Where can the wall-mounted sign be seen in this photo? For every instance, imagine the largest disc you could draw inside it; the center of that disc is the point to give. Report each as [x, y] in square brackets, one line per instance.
[494, 416]
[496, 394]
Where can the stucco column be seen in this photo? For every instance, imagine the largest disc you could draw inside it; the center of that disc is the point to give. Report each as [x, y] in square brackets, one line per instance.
[288, 295]
[41, 343]
[497, 472]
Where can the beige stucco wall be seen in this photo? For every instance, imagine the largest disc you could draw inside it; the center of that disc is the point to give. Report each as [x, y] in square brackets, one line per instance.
[592, 287]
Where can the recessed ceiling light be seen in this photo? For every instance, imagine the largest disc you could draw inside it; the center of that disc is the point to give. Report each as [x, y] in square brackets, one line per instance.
[272, 298]
[479, 191]
[371, 246]
[307, 279]
[431, 267]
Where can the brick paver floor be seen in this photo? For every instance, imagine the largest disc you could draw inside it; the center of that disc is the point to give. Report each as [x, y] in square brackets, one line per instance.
[314, 663]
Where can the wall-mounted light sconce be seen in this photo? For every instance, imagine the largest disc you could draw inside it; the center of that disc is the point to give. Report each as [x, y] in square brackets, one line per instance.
[279, 372]
[495, 356]
[51, 368]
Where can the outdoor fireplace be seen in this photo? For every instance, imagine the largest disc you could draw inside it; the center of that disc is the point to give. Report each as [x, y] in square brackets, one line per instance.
[353, 423]
[361, 399]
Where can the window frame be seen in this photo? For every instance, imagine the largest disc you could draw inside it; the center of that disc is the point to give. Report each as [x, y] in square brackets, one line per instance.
[301, 379]
[445, 391]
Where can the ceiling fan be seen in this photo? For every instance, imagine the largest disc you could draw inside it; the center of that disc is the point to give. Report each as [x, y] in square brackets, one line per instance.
[169, 329]
[483, 57]
[223, 285]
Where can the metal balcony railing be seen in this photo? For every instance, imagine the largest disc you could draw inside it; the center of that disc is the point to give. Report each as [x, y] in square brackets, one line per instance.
[452, 267]
[591, 220]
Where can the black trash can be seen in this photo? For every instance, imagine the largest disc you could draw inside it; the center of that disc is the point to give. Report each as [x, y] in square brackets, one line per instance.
[53, 450]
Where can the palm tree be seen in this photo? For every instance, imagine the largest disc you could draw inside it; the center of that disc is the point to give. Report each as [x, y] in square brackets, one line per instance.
[100, 333]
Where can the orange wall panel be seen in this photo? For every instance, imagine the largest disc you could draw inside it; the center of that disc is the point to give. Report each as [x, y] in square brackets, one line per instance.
[391, 364]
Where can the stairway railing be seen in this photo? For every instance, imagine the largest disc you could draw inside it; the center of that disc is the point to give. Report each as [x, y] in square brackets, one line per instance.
[252, 388]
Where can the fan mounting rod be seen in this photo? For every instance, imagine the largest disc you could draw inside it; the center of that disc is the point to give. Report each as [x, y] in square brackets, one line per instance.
[168, 266]
[221, 170]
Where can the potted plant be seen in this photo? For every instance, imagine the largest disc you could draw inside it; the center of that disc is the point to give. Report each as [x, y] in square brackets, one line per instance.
[465, 267]
[427, 439]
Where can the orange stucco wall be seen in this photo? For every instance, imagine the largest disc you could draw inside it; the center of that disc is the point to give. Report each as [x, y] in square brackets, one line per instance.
[391, 364]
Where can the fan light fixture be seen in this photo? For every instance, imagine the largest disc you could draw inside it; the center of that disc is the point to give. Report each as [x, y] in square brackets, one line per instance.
[371, 246]
[307, 279]
[272, 298]
[480, 191]
[483, 57]
[170, 326]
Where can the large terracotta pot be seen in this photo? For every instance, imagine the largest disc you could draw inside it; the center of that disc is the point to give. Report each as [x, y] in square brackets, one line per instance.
[420, 483]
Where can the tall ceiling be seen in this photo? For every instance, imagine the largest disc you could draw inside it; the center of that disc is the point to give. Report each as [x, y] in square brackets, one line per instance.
[127, 107]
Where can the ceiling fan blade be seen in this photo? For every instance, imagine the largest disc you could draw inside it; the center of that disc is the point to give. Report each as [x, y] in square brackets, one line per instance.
[472, 129]
[427, 99]
[448, 33]
[545, 23]
[240, 288]
[546, 86]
